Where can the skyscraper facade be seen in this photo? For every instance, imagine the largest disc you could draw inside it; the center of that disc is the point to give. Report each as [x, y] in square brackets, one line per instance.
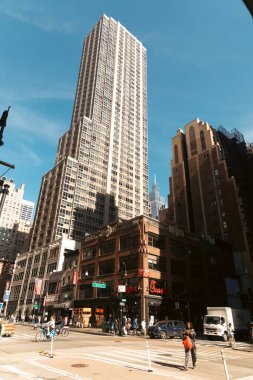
[26, 210]
[156, 200]
[101, 168]
[207, 196]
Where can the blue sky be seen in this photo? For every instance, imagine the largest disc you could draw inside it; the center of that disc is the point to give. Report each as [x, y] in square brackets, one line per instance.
[200, 64]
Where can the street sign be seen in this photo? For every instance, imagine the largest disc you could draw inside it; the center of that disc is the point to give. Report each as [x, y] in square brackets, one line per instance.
[123, 300]
[121, 288]
[99, 285]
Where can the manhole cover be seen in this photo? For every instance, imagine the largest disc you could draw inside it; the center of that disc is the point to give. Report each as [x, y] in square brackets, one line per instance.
[80, 365]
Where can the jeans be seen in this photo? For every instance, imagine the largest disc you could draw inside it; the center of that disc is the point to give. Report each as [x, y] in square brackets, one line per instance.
[193, 355]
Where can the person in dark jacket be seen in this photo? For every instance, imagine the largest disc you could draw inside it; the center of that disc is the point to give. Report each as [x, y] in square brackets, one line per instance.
[190, 332]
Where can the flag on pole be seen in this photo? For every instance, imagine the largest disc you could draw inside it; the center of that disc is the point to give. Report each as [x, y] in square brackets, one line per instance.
[37, 286]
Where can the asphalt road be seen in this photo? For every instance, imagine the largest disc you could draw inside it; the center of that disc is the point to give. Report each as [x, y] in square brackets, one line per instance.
[84, 356]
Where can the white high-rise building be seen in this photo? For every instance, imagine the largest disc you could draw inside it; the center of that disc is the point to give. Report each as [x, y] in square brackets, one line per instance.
[101, 168]
[10, 224]
[26, 210]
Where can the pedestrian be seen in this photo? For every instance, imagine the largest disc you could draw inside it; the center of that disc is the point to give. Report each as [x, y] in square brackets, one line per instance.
[128, 326]
[111, 326]
[116, 326]
[134, 326]
[22, 318]
[143, 327]
[189, 336]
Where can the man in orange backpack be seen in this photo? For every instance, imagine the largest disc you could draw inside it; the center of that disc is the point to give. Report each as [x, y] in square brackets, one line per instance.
[189, 345]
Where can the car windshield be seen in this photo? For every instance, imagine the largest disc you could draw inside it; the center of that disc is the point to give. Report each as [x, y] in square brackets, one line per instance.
[212, 320]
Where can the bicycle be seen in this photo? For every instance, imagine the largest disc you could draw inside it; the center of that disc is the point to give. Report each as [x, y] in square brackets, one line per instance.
[44, 335]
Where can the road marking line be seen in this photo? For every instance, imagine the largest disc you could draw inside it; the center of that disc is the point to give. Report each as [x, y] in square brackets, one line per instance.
[23, 374]
[57, 370]
[130, 365]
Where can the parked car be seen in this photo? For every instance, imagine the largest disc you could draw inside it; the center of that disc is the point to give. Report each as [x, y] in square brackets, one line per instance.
[164, 329]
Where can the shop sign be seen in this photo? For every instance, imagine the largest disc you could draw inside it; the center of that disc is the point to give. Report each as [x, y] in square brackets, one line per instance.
[121, 288]
[154, 290]
[52, 298]
[132, 289]
[61, 306]
[143, 273]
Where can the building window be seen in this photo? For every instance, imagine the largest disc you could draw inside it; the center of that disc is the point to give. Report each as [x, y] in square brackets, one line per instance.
[129, 241]
[88, 271]
[176, 154]
[106, 267]
[202, 140]
[85, 291]
[107, 247]
[128, 263]
[89, 253]
[156, 241]
[106, 292]
[193, 143]
[157, 263]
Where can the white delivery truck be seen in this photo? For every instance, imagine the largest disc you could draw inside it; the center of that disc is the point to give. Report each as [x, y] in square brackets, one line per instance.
[217, 319]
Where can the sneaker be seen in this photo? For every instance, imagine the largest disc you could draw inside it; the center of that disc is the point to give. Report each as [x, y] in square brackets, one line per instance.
[185, 368]
[194, 366]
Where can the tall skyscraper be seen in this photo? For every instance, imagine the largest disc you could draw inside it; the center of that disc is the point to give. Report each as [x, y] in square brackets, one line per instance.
[209, 193]
[155, 199]
[101, 168]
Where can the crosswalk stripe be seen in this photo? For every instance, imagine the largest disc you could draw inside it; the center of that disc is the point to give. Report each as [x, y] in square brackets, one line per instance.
[131, 365]
[23, 374]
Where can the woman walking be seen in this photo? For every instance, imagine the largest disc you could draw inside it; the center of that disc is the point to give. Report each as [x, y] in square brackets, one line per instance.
[189, 345]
